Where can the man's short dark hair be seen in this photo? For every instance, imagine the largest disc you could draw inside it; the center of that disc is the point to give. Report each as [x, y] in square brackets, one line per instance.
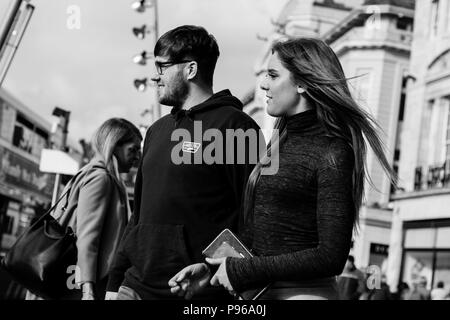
[190, 42]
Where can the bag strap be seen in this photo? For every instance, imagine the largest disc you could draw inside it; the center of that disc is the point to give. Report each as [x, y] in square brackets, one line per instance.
[49, 211]
[72, 181]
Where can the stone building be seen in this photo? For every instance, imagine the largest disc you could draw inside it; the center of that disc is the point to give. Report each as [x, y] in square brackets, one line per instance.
[420, 236]
[373, 44]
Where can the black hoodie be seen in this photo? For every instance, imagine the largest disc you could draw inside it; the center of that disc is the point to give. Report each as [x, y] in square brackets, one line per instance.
[181, 208]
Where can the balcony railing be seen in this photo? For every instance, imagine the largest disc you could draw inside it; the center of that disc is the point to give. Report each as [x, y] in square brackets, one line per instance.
[432, 177]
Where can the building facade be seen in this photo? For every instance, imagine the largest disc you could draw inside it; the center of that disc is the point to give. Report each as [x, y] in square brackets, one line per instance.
[24, 190]
[420, 237]
[373, 44]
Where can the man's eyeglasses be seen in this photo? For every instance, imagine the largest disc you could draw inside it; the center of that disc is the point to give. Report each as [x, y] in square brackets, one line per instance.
[166, 64]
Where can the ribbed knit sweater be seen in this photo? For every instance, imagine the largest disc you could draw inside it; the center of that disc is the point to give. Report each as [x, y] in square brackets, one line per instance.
[303, 215]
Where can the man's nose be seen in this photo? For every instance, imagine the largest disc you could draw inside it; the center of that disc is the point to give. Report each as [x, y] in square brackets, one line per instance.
[155, 77]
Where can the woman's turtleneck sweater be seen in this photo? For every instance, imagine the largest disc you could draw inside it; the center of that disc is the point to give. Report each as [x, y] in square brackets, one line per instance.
[303, 215]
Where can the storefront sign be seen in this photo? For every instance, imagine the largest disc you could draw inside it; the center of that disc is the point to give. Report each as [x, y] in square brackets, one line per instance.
[379, 249]
[16, 170]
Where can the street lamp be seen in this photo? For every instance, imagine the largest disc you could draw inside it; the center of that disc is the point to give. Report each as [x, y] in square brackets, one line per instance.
[141, 5]
[141, 32]
[142, 58]
[64, 118]
[141, 84]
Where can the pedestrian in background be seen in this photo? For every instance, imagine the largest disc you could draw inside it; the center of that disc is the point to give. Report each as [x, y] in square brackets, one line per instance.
[402, 291]
[351, 282]
[439, 293]
[419, 290]
[98, 207]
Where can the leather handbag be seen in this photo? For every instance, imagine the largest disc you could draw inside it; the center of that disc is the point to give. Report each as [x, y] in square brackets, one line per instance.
[40, 257]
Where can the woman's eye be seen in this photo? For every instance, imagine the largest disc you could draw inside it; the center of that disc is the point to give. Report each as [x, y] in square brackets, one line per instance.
[271, 76]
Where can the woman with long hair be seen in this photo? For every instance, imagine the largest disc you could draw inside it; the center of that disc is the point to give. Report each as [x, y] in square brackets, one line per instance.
[299, 221]
[97, 208]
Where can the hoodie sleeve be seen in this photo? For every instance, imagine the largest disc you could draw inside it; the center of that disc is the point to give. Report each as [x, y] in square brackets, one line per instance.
[121, 262]
[245, 157]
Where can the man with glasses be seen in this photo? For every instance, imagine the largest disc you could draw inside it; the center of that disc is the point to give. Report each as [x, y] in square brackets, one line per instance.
[181, 207]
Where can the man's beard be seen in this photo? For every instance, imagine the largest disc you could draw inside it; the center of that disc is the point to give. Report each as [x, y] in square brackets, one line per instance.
[175, 95]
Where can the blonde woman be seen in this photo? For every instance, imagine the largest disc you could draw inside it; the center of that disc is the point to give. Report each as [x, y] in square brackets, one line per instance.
[98, 208]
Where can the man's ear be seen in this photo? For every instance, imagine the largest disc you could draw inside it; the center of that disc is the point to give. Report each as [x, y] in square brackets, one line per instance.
[300, 90]
[192, 70]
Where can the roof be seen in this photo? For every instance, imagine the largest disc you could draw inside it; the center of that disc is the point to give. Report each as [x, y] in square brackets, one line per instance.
[332, 4]
[410, 4]
[358, 16]
[25, 110]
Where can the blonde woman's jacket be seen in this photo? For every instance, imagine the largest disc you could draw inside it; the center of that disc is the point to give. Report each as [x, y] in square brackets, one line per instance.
[97, 212]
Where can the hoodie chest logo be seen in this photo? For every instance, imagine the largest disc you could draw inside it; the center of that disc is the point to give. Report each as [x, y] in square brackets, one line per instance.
[191, 147]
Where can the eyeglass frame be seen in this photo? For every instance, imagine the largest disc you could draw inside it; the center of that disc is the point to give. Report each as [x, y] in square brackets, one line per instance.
[166, 64]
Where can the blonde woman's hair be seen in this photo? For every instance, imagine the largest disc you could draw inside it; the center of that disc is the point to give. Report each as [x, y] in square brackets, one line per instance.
[112, 133]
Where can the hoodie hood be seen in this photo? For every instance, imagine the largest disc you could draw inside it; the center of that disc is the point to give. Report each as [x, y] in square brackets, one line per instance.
[222, 98]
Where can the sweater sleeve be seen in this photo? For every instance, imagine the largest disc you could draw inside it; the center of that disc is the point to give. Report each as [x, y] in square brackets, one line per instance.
[335, 216]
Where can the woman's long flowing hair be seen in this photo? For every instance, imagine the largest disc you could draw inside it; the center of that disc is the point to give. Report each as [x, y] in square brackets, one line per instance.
[315, 67]
[111, 134]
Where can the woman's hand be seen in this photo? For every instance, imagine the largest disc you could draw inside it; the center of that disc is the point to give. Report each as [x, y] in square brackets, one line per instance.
[221, 277]
[190, 280]
[88, 292]
[110, 295]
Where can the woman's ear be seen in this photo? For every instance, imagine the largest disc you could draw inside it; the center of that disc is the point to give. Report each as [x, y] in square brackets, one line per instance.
[300, 90]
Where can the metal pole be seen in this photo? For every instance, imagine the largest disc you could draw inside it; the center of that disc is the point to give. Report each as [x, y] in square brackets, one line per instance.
[156, 114]
[56, 188]
[63, 148]
[12, 11]
[14, 37]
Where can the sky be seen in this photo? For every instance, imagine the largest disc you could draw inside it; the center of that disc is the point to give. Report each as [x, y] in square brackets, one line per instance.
[90, 72]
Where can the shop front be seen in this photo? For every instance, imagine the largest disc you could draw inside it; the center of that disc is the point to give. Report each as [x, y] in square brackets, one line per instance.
[24, 193]
[419, 250]
[426, 252]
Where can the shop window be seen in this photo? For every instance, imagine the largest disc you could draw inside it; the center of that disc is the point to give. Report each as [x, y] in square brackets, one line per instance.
[6, 224]
[419, 238]
[418, 266]
[22, 138]
[442, 269]
[28, 137]
[443, 238]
